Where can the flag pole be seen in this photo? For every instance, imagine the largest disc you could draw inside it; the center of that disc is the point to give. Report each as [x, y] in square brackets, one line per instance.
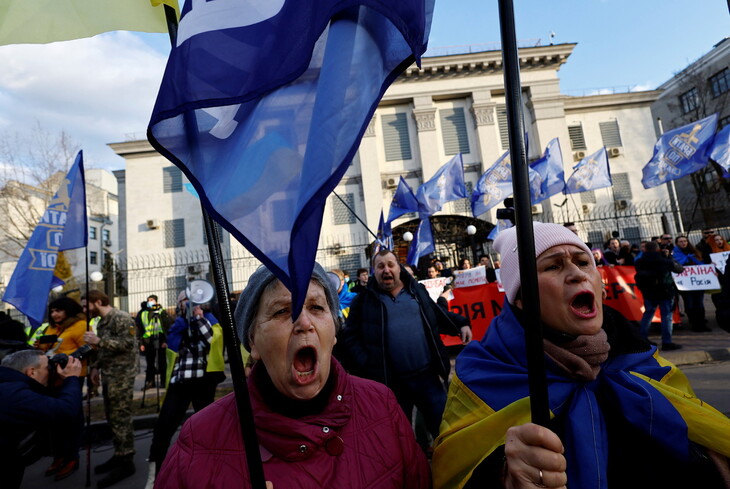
[354, 214]
[88, 374]
[539, 405]
[231, 340]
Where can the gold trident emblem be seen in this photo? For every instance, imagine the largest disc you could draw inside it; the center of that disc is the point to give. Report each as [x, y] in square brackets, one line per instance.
[691, 138]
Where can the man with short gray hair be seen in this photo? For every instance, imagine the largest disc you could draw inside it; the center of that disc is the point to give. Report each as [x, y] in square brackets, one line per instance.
[27, 408]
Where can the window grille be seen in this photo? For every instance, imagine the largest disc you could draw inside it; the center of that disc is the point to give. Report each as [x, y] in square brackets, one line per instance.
[610, 134]
[340, 213]
[503, 128]
[349, 263]
[588, 197]
[171, 179]
[174, 286]
[621, 186]
[463, 206]
[175, 233]
[395, 137]
[577, 140]
[453, 131]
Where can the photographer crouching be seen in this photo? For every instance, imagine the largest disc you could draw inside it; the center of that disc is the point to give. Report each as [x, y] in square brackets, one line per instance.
[30, 413]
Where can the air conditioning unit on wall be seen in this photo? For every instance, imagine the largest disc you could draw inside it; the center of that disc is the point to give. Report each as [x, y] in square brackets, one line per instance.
[587, 208]
[621, 204]
[391, 183]
[536, 209]
[578, 155]
[613, 152]
[153, 224]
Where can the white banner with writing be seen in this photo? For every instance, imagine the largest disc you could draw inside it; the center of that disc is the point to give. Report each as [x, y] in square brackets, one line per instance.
[697, 277]
[435, 286]
[470, 277]
[720, 260]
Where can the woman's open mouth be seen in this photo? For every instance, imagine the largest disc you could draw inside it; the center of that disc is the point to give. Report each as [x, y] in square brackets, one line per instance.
[583, 305]
[305, 365]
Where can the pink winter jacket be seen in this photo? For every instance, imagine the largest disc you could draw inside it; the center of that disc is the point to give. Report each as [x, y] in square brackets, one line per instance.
[361, 440]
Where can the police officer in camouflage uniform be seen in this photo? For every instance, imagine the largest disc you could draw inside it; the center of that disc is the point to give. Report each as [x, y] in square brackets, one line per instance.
[116, 346]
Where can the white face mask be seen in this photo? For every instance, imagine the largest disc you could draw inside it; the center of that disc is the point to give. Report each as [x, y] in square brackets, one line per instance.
[151, 303]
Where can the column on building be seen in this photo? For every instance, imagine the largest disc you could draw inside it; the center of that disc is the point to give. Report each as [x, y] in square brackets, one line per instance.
[424, 114]
[372, 189]
[484, 112]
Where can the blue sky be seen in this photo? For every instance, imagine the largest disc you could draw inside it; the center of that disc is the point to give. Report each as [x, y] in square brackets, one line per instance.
[101, 90]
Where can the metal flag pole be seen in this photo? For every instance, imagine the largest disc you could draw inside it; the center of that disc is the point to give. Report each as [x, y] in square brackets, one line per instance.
[88, 374]
[231, 340]
[539, 405]
[354, 214]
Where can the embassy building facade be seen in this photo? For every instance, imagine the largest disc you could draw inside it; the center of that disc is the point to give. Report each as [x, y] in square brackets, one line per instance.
[453, 104]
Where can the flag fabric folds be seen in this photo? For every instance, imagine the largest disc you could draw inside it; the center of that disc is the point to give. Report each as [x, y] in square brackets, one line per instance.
[720, 152]
[404, 201]
[493, 186]
[680, 152]
[591, 173]
[445, 186]
[550, 169]
[384, 240]
[44, 21]
[62, 227]
[263, 107]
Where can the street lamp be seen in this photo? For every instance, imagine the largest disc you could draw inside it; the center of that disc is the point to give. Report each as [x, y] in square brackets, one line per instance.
[96, 276]
[408, 236]
[471, 230]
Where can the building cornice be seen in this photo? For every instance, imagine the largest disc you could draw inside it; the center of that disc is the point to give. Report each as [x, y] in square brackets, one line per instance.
[134, 149]
[612, 100]
[540, 57]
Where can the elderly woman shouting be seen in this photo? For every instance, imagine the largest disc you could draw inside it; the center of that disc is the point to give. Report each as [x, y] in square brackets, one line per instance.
[622, 416]
[317, 426]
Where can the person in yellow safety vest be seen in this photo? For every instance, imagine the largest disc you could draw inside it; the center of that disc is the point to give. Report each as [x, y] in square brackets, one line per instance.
[152, 322]
[33, 336]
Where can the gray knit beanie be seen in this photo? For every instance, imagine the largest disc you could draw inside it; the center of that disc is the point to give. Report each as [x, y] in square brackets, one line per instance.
[248, 302]
[547, 235]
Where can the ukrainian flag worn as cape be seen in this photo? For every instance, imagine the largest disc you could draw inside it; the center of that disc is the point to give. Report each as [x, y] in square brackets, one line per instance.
[489, 393]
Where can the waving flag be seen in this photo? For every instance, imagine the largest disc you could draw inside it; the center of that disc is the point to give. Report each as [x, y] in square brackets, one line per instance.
[263, 105]
[384, 235]
[680, 152]
[493, 186]
[550, 169]
[445, 186]
[43, 21]
[62, 227]
[590, 173]
[404, 201]
[720, 152]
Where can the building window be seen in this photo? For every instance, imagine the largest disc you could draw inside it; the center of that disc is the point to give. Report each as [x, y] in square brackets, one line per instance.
[174, 286]
[632, 234]
[463, 206]
[349, 263]
[395, 137]
[503, 126]
[93, 258]
[720, 82]
[577, 140]
[106, 234]
[174, 233]
[453, 131]
[92, 232]
[621, 186]
[171, 179]
[595, 238]
[588, 197]
[340, 212]
[688, 100]
[610, 134]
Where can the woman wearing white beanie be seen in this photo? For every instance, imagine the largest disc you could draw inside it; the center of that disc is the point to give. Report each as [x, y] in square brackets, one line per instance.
[622, 417]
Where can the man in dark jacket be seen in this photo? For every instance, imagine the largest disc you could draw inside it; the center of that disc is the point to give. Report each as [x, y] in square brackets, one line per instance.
[392, 336]
[654, 280]
[27, 409]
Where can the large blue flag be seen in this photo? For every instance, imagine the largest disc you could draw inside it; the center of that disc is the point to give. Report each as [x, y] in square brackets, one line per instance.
[720, 152]
[384, 235]
[590, 173]
[445, 186]
[62, 227]
[263, 107]
[422, 242]
[404, 201]
[680, 152]
[550, 169]
[493, 186]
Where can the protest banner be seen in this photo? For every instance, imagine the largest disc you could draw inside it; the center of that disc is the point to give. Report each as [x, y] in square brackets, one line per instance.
[720, 260]
[697, 277]
[471, 277]
[434, 286]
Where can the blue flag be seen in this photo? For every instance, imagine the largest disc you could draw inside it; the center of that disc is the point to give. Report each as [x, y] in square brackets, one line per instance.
[590, 173]
[493, 186]
[263, 108]
[502, 224]
[445, 186]
[550, 169]
[422, 242]
[384, 235]
[720, 152]
[62, 227]
[404, 201]
[680, 152]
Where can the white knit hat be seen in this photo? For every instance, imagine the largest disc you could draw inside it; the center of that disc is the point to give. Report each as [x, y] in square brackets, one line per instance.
[547, 235]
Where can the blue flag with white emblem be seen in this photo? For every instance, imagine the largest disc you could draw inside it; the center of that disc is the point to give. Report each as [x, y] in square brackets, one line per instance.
[493, 186]
[720, 152]
[404, 201]
[550, 169]
[384, 235]
[263, 105]
[680, 152]
[591, 173]
[422, 242]
[445, 186]
[62, 227]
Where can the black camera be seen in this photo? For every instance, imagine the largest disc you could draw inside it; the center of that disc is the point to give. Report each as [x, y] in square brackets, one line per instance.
[508, 213]
[62, 359]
